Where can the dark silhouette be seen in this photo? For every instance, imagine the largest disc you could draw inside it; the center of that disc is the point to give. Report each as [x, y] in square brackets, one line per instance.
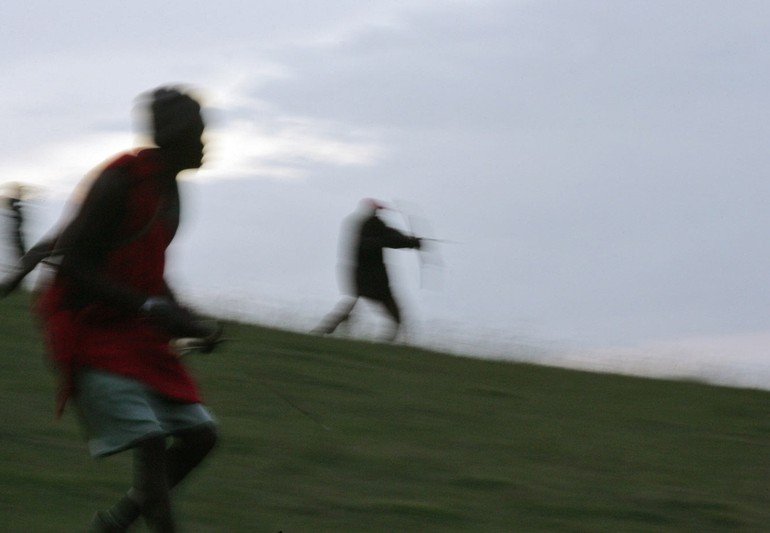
[365, 272]
[109, 316]
[13, 202]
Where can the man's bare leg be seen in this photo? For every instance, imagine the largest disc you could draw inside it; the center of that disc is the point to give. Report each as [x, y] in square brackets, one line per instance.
[394, 312]
[187, 451]
[339, 315]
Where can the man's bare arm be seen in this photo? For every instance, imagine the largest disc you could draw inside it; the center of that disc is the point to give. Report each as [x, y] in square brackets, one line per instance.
[86, 240]
[25, 265]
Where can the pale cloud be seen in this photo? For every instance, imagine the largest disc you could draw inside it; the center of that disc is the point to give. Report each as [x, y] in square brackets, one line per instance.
[286, 150]
[274, 148]
[247, 138]
[57, 167]
[270, 145]
[351, 29]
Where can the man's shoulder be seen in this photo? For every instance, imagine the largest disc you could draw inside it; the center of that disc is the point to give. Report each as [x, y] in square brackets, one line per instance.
[120, 160]
[138, 162]
[374, 221]
[127, 169]
[109, 181]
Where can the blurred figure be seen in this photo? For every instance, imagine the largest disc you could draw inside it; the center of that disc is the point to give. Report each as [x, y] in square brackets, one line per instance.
[367, 276]
[109, 317]
[13, 202]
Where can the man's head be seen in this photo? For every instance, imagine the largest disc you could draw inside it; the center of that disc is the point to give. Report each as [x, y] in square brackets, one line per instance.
[370, 205]
[177, 125]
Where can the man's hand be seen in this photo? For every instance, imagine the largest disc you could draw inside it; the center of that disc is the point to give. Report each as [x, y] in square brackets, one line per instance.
[204, 345]
[176, 320]
[9, 284]
[5, 289]
[25, 265]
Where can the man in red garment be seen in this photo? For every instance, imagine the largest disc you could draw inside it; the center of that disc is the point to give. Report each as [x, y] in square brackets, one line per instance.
[109, 315]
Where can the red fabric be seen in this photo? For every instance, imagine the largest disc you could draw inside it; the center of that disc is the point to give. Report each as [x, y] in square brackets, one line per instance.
[102, 337]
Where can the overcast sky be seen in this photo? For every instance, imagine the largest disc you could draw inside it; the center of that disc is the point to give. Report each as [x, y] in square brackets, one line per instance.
[600, 167]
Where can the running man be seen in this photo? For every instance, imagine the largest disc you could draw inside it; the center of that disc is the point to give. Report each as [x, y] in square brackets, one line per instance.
[13, 202]
[109, 315]
[367, 275]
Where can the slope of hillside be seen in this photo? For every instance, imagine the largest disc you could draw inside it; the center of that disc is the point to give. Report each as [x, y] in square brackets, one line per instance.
[416, 441]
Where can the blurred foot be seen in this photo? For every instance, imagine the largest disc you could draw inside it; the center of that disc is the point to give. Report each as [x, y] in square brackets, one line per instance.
[322, 329]
[103, 522]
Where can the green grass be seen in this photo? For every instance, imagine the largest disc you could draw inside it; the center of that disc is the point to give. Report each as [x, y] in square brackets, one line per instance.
[418, 441]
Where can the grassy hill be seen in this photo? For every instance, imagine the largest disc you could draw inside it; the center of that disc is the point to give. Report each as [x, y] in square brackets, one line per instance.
[417, 441]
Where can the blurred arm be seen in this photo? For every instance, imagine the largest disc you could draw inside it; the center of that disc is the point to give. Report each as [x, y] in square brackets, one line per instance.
[85, 242]
[376, 234]
[26, 264]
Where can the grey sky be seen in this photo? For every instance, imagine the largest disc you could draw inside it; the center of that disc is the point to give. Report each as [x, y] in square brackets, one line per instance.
[600, 164]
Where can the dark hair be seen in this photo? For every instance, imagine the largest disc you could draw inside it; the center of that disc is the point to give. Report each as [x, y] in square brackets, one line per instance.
[173, 112]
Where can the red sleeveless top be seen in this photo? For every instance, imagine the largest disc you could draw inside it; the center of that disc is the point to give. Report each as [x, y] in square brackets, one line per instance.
[99, 336]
